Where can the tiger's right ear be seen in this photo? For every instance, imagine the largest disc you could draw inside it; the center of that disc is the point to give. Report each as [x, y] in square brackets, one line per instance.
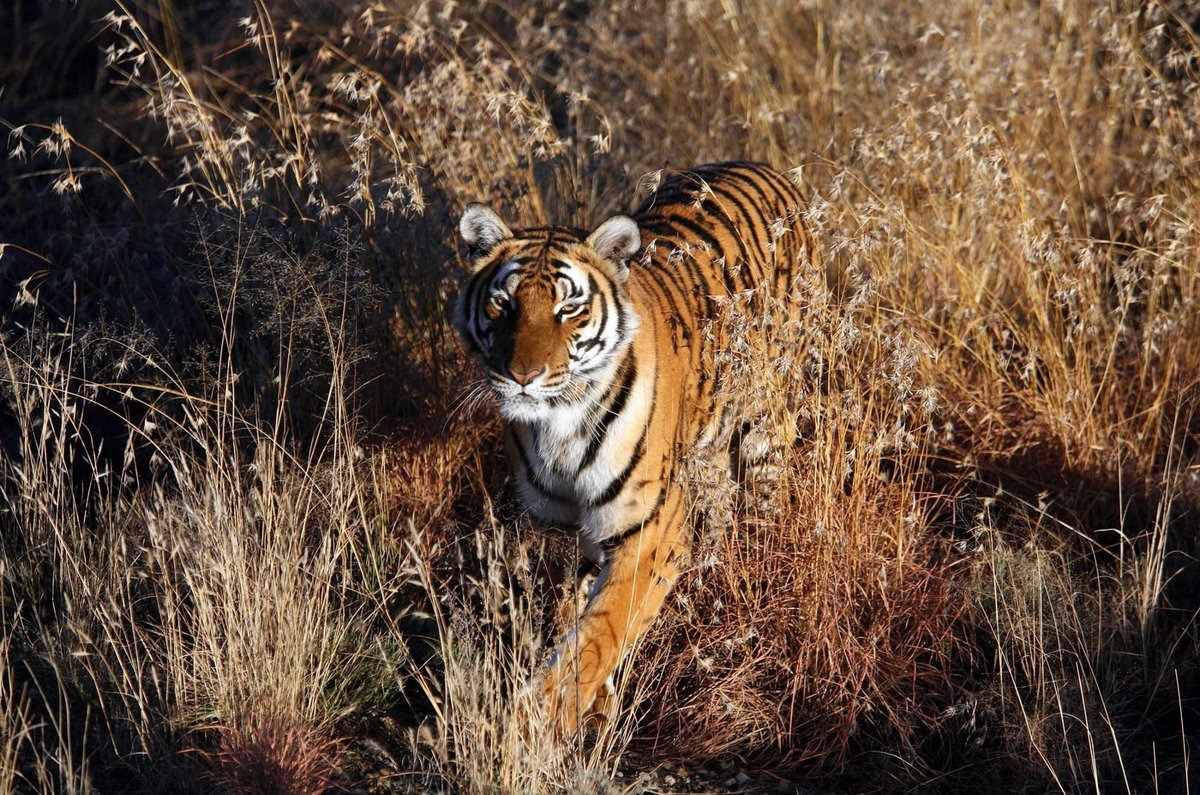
[617, 239]
[482, 229]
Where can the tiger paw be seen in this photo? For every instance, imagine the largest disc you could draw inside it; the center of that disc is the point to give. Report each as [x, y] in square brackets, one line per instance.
[575, 702]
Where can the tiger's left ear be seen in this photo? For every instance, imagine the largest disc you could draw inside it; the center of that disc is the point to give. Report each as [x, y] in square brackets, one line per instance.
[482, 229]
[617, 239]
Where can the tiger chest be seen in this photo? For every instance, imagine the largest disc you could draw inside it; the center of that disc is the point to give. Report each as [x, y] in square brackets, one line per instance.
[580, 467]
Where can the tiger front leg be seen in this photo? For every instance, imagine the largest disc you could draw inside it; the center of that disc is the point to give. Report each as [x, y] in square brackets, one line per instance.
[634, 584]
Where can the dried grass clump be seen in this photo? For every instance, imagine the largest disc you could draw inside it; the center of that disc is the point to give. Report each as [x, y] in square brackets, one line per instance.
[1049, 278]
[267, 755]
[1088, 694]
[314, 115]
[812, 608]
[193, 582]
[486, 728]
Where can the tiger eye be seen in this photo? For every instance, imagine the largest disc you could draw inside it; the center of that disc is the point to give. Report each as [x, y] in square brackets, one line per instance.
[576, 312]
[495, 307]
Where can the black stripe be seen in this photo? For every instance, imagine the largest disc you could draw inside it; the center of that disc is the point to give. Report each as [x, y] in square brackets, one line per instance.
[612, 542]
[531, 476]
[598, 339]
[682, 187]
[622, 314]
[696, 276]
[585, 345]
[680, 320]
[661, 266]
[669, 222]
[472, 311]
[614, 487]
[573, 289]
[617, 405]
[597, 295]
[770, 176]
[659, 227]
[662, 282]
[751, 223]
[783, 199]
[674, 191]
[787, 194]
[696, 232]
[744, 186]
[793, 200]
[701, 233]
[768, 193]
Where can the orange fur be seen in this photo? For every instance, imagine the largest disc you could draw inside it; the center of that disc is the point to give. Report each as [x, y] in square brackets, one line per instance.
[602, 351]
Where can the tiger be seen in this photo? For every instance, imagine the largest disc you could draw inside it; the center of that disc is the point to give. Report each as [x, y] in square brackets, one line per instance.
[603, 356]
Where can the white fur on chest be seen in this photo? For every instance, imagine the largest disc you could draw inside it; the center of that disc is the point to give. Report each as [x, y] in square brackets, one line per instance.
[557, 444]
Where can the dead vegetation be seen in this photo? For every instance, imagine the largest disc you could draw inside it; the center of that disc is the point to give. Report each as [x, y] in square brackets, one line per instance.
[255, 533]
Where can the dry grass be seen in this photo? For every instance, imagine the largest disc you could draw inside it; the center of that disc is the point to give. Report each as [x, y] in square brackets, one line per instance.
[255, 534]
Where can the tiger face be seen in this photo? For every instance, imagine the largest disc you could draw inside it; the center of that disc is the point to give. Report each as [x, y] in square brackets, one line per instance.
[546, 311]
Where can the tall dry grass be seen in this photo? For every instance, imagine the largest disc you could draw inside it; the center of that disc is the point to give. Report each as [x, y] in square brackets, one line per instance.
[256, 535]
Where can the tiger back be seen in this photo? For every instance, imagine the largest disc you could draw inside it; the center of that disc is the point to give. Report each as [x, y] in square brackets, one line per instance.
[603, 351]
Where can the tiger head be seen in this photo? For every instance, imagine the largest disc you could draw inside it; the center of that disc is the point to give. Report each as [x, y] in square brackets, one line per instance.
[546, 310]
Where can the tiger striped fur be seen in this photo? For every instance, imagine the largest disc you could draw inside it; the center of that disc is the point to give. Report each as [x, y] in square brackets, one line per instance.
[602, 353]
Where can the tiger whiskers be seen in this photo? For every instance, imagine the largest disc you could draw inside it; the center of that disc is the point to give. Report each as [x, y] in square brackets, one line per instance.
[476, 394]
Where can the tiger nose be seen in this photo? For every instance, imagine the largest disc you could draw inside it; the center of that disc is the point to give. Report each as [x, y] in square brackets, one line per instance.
[524, 377]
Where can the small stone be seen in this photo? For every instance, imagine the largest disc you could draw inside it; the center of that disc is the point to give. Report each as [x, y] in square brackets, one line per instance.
[669, 780]
[742, 779]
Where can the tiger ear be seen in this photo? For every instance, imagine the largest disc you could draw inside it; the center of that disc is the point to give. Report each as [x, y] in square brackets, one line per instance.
[482, 229]
[617, 239]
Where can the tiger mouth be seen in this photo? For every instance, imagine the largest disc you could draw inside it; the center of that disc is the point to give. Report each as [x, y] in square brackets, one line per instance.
[566, 390]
